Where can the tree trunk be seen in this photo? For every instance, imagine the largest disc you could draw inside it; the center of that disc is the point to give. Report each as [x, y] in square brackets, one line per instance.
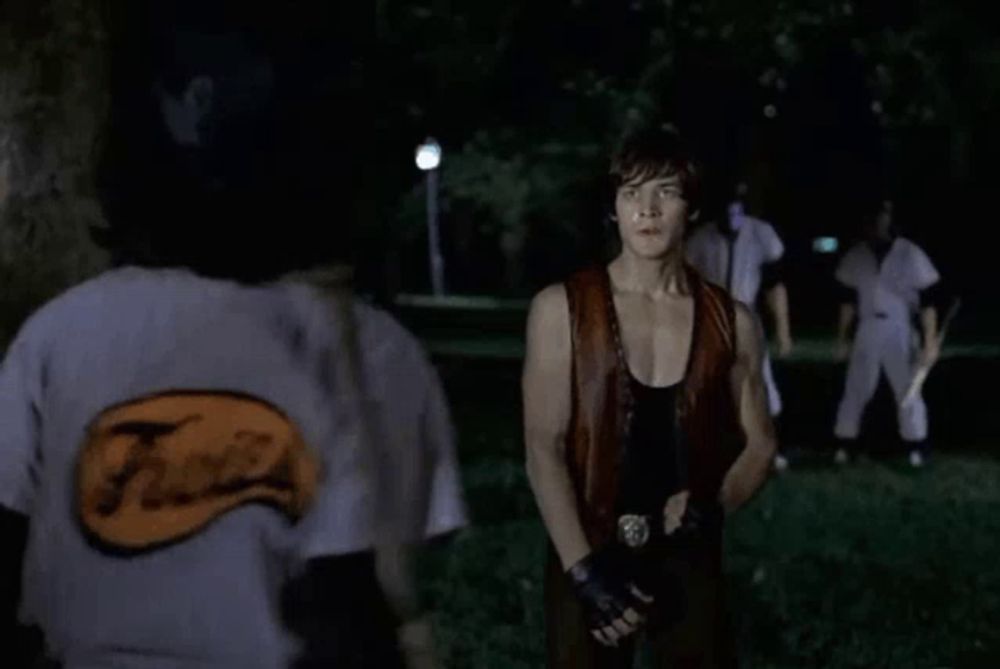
[53, 73]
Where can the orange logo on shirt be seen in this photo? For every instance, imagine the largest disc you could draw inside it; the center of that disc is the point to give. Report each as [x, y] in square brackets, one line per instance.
[159, 469]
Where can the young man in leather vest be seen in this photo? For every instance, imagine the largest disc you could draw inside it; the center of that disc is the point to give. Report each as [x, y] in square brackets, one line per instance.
[646, 423]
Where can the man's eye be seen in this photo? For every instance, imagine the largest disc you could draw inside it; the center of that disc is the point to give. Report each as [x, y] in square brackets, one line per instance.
[669, 192]
[628, 194]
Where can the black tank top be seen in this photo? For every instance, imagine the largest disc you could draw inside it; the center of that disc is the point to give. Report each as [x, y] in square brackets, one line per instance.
[649, 467]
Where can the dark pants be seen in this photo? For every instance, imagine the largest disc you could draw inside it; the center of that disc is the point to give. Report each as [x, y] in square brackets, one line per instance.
[687, 627]
[337, 609]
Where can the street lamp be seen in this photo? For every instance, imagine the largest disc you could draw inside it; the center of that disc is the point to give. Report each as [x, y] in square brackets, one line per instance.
[428, 158]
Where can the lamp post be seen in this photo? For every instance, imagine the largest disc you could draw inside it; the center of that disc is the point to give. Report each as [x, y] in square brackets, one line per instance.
[428, 158]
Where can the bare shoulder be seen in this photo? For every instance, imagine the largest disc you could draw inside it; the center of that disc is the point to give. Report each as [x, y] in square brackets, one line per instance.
[551, 298]
[549, 307]
[548, 335]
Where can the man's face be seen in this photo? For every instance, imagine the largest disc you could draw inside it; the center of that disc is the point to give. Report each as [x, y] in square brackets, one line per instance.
[651, 216]
[882, 227]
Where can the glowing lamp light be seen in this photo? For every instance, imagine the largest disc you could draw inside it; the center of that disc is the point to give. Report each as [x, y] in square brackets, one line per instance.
[826, 245]
[428, 155]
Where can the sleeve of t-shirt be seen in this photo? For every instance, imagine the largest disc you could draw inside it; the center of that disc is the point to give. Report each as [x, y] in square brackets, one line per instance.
[772, 247]
[340, 519]
[847, 270]
[19, 398]
[921, 271]
[446, 508]
[417, 476]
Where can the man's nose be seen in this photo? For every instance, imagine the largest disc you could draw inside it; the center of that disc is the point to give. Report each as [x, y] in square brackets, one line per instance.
[649, 206]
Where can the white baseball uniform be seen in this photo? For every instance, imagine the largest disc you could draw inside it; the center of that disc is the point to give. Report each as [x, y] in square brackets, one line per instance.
[734, 262]
[888, 299]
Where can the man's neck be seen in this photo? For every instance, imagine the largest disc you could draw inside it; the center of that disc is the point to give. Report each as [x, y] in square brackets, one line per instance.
[734, 218]
[651, 277]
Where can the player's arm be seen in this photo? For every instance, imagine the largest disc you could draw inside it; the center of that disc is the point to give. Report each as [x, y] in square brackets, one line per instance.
[929, 329]
[777, 304]
[545, 385]
[845, 319]
[751, 467]
[394, 570]
[932, 298]
[609, 598]
[775, 291]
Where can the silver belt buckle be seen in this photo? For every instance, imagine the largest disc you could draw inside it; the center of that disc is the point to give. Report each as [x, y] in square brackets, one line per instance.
[633, 530]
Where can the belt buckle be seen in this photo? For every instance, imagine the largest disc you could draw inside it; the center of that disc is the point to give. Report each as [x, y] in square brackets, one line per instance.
[633, 530]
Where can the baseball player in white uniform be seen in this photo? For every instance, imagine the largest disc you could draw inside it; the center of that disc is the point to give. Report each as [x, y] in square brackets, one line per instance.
[743, 254]
[890, 276]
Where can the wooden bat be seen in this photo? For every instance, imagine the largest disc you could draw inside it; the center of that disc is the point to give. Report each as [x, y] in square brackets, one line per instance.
[920, 375]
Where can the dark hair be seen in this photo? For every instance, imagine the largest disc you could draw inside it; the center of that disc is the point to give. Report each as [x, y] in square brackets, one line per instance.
[655, 152]
[256, 196]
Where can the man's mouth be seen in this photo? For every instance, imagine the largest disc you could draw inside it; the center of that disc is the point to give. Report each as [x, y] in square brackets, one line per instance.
[649, 232]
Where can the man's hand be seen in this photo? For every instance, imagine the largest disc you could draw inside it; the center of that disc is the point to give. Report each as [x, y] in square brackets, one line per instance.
[416, 641]
[611, 602]
[681, 518]
[673, 512]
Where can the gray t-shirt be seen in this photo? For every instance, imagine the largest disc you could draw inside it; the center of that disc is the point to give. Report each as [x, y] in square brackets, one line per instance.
[210, 598]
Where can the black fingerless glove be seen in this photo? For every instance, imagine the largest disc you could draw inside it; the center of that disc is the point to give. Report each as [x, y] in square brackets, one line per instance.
[602, 586]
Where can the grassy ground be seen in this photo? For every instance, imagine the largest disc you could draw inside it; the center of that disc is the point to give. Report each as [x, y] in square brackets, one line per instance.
[874, 565]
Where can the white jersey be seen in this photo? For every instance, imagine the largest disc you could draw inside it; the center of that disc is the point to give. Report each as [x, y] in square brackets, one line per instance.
[890, 290]
[734, 262]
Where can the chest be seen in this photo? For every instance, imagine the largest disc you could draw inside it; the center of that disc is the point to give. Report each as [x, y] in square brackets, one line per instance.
[889, 270]
[656, 336]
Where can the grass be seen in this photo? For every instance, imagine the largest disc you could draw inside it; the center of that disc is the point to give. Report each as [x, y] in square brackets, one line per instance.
[874, 565]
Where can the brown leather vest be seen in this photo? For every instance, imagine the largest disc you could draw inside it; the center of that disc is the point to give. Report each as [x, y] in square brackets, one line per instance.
[707, 427]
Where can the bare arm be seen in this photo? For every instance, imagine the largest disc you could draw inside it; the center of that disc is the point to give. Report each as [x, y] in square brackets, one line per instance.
[777, 303]
[394, 570]
[929, 328]
[844, 321]
[545, 385]
[750, 470]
